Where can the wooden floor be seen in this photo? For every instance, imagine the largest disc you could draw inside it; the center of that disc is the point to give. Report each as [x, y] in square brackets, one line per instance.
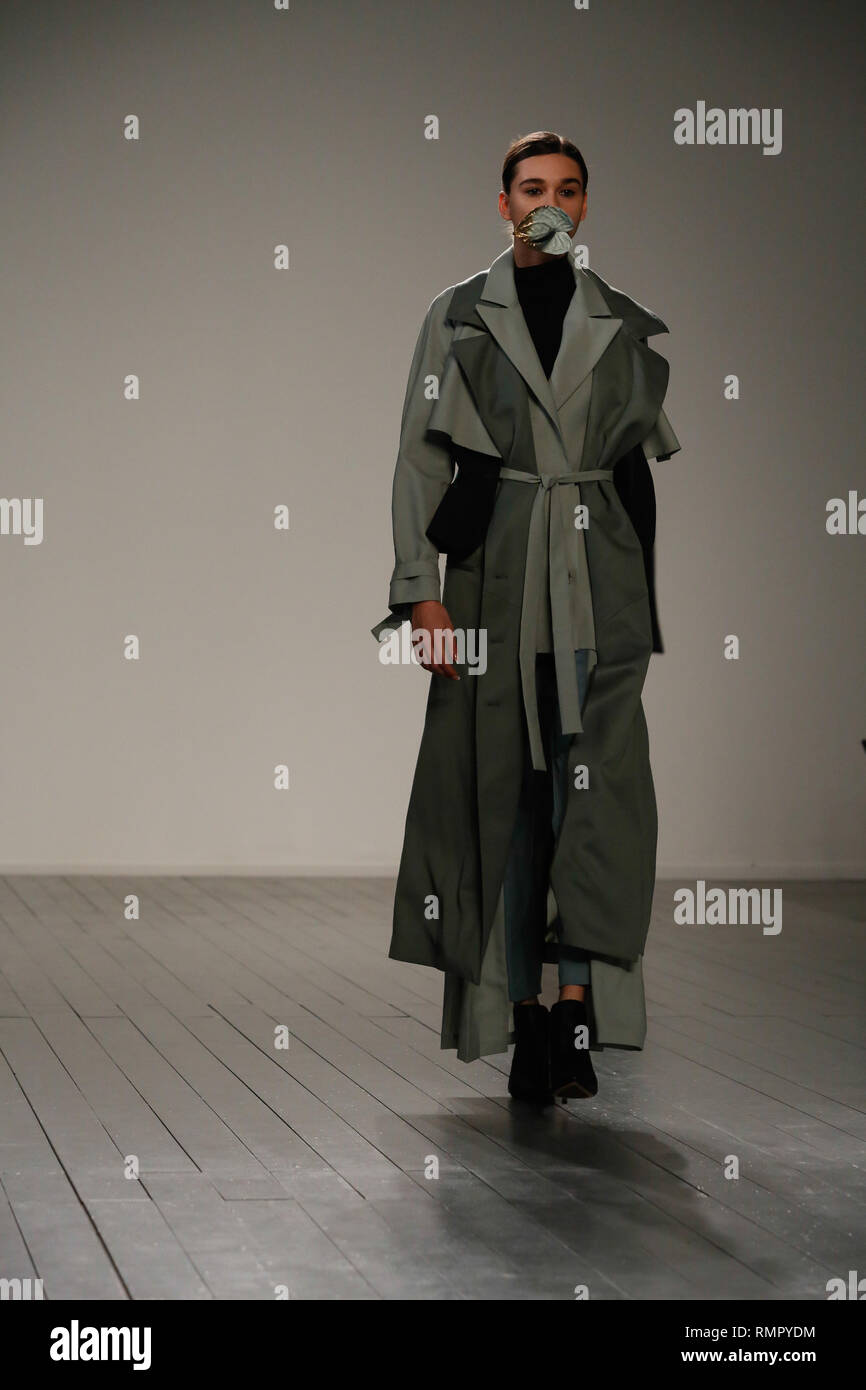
[151, 1044]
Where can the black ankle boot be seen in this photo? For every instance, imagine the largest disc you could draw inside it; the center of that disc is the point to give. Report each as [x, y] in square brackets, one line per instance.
[571, 1069]
[529, 1066]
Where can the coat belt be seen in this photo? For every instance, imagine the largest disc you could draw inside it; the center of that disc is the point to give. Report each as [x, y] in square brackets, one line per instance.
[558, 522]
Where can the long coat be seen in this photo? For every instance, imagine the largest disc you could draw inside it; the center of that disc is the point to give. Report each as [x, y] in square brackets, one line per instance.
[476, 383]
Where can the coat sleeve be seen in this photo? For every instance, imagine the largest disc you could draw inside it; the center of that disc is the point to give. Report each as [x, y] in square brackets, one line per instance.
[422, 474]
[661, 441]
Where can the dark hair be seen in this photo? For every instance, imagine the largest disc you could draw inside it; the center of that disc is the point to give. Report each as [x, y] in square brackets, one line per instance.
[540, 142]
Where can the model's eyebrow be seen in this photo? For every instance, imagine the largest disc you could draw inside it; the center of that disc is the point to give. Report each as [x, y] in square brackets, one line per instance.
[570, 180]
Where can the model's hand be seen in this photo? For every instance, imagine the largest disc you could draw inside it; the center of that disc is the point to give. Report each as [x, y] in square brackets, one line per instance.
[432, 618]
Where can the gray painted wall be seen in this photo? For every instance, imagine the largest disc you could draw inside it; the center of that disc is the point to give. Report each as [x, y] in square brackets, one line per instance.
[259, 387]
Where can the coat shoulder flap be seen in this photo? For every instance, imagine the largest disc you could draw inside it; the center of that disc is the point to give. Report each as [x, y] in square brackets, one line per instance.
[639, 320]
[463, 298]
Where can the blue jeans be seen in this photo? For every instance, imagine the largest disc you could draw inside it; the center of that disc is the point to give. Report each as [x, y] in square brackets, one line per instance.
[540, 813]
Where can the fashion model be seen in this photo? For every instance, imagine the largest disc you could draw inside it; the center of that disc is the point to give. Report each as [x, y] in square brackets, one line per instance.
[531, 830]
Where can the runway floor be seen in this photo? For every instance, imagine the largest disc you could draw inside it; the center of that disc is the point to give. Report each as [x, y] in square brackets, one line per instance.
[157, 1141]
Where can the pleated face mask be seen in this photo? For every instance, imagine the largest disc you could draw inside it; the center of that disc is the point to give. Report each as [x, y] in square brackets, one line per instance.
[547, 229]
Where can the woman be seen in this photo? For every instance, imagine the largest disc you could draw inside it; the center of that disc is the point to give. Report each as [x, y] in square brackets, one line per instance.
[531, 829]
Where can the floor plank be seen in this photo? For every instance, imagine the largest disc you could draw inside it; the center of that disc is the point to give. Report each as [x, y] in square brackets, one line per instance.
[158, 1141]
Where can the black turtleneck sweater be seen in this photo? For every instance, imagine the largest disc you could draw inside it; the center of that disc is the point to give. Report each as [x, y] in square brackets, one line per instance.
[545, 293]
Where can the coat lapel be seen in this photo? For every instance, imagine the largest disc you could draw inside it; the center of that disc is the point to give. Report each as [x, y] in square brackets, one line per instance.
[588, 328]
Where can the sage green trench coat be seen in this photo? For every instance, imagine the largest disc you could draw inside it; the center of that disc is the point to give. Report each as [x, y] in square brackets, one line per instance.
[476, 381]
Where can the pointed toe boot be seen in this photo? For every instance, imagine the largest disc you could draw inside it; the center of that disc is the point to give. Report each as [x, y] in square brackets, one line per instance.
[529, 1078]
[572, 1075]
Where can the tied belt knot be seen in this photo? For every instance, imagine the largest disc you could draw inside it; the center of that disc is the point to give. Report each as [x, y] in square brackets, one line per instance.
[564, 560]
